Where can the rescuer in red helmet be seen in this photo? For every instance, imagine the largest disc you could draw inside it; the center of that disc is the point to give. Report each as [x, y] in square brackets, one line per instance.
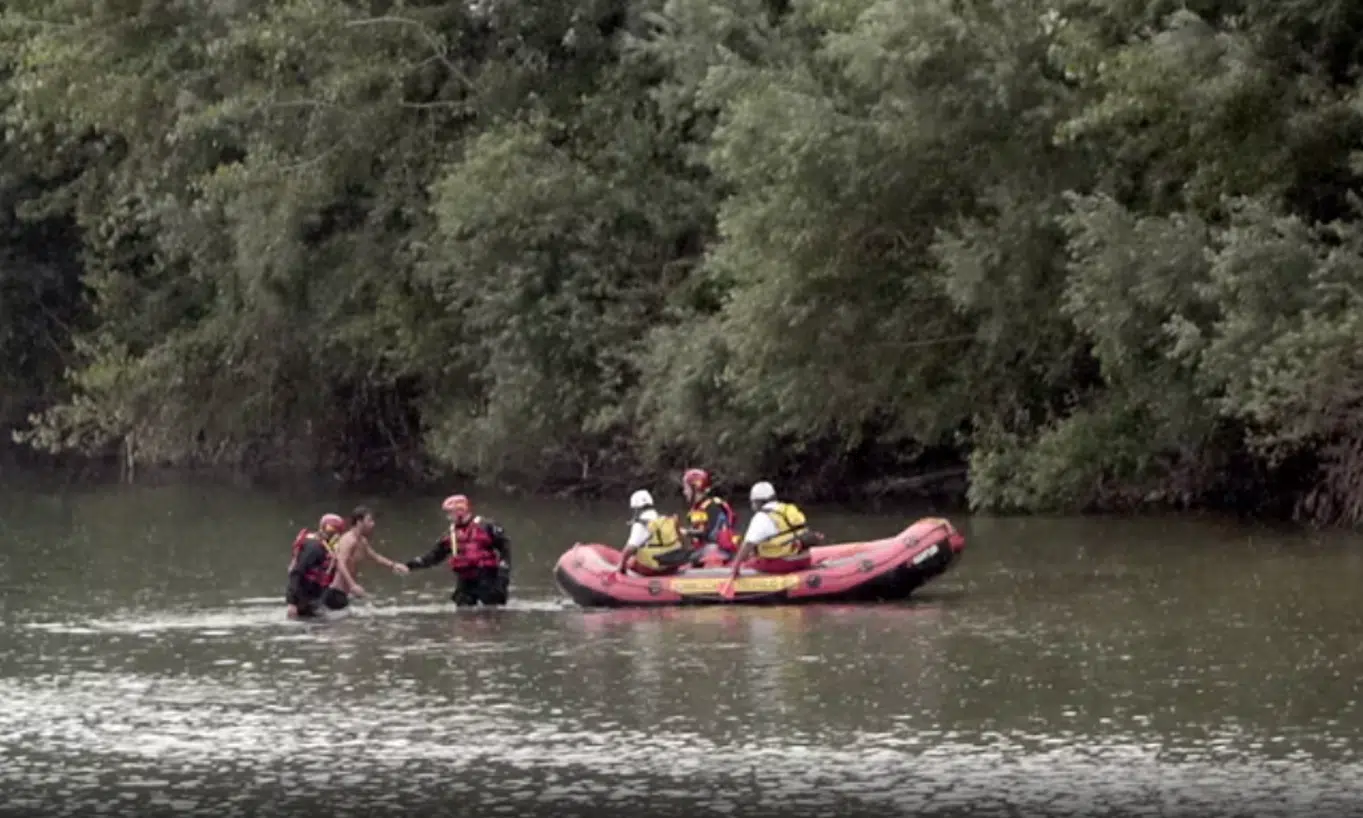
[709, 516]
[478, 552]
[312, 566]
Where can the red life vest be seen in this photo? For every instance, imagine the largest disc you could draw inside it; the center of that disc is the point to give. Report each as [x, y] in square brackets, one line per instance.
[471, 548]
[323, 574]
[699, 519]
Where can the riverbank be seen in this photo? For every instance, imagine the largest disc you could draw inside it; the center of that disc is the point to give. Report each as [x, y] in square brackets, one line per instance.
[940, 490]
[945, 488]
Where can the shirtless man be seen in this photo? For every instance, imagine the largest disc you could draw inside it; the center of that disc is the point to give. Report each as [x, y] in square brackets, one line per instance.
[350, 550]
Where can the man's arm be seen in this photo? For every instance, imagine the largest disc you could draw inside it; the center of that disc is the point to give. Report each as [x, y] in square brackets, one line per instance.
[435, 556]
[638, 535]
[759, 528]
[391, 565]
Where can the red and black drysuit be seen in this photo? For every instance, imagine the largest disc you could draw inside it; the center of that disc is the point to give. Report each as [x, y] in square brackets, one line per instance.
[714, 522]
[480, 561]
[313, 568]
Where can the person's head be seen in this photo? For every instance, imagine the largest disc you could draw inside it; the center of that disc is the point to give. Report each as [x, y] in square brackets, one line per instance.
[458, 509]
[761, 494]
[363, 519]
[640, 501]
[331, 525]
[695, 484]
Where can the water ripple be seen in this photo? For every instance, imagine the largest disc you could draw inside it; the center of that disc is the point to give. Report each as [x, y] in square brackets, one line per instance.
[253, 613]
[91, 737]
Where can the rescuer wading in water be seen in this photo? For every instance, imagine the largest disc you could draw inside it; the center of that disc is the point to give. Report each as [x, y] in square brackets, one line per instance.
[479, 554]
[312, 567]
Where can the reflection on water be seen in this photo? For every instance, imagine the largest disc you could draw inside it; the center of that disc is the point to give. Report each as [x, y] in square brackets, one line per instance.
[1067, 668]
[235, 711]
[236, 743]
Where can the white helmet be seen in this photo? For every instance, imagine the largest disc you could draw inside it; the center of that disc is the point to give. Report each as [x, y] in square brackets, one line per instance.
[640, 499]
[762, 492]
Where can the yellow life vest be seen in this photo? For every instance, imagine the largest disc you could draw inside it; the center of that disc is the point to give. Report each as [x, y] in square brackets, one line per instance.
[787, 542]
[697, 517]
[665, 547]
[701, 515]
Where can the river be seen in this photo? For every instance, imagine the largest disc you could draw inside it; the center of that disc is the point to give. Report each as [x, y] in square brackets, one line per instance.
[1064, 667]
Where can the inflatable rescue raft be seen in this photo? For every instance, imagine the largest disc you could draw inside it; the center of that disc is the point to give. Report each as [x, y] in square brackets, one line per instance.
[878, 570]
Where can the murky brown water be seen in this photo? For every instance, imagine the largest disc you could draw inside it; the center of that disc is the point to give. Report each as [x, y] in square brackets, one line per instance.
[1063, 668]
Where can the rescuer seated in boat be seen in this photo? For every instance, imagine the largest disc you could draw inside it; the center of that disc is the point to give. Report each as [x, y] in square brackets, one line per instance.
[778, 537]
[657, 545]
[479, 554]
[312, 568]
[709, 516]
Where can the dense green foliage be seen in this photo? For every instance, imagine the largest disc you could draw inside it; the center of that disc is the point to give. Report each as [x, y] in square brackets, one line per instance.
[1106, 251]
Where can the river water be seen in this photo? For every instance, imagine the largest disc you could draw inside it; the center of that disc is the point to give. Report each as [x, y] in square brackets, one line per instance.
[1064, 667]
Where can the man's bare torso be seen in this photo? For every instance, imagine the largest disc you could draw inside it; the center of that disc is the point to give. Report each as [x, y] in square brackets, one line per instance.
[349, 550]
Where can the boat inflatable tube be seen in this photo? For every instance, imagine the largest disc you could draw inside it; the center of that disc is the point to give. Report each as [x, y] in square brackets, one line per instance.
[875, 571]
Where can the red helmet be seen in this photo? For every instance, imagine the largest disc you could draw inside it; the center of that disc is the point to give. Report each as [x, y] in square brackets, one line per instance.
[457, 504]
[331, 524]
[697, 480]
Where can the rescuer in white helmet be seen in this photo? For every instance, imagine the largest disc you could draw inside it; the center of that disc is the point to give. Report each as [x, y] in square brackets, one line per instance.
[657, 544]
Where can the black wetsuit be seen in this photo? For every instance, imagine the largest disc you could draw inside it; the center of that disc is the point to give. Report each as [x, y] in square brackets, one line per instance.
[308, 578]
[490, 585]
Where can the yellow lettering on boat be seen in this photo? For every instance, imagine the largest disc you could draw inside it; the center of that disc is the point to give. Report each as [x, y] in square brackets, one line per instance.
[743, 585]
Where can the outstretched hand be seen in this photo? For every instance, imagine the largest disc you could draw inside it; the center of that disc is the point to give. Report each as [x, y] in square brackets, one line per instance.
[401, 570]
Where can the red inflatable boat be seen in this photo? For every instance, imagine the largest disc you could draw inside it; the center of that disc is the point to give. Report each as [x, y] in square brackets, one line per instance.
[879, 570]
